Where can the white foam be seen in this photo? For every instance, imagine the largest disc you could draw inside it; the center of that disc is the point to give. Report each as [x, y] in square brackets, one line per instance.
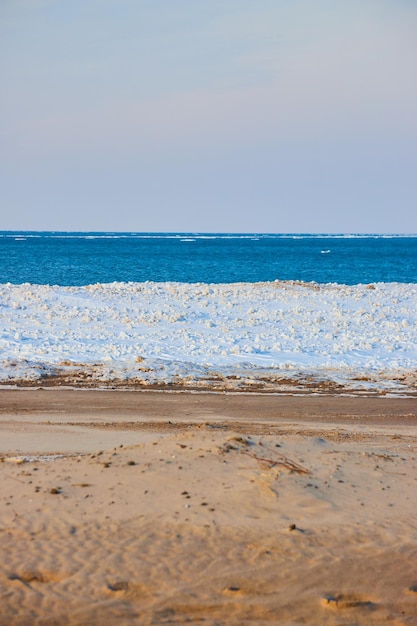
[168, 330]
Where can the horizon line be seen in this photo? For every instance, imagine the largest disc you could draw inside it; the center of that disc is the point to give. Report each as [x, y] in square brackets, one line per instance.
[217, 233]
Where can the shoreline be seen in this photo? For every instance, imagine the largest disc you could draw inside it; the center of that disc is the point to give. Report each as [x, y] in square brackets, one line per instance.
[401, 383]
[174, 388]
[266, 337]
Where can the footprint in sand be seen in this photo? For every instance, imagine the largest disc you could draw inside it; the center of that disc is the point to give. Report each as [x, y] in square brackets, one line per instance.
[234, 590]
[126, 589]
[121, 585]
[347, 601]
[35, 577]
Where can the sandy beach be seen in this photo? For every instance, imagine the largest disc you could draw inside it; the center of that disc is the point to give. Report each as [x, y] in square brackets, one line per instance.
[145, 507]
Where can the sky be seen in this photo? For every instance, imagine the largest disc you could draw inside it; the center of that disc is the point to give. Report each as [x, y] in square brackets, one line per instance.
[267, 116]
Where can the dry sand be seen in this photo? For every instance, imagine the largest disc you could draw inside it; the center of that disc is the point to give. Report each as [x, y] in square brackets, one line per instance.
[173, 508]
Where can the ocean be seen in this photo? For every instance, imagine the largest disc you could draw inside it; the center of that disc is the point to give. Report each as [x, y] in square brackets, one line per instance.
[259, 313]
[76, 259]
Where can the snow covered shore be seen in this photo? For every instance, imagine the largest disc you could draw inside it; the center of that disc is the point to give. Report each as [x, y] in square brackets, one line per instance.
[168, 332]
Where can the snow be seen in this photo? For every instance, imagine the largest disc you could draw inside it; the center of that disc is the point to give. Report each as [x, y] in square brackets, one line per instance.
[166, 331]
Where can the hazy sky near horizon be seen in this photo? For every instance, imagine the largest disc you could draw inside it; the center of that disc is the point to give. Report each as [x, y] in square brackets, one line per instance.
[209, 115]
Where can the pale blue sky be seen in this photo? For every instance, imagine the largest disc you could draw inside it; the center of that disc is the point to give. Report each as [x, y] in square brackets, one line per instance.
[209, 115]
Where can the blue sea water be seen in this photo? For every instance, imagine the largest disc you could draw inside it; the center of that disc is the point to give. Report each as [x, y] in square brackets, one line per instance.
[76, 259]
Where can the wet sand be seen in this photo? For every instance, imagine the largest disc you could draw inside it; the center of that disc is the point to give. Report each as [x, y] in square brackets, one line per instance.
[170, 508]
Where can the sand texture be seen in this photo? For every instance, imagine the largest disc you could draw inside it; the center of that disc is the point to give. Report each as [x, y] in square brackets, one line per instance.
[217, 509]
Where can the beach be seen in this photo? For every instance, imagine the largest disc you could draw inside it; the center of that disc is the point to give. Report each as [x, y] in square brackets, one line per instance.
[147, 507]
[208, 314]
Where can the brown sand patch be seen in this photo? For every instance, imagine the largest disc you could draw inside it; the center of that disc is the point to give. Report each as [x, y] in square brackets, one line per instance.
[183, 509]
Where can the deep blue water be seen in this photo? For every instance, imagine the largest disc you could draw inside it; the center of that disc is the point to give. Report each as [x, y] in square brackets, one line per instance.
[86, 258]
